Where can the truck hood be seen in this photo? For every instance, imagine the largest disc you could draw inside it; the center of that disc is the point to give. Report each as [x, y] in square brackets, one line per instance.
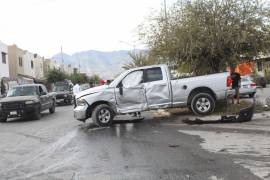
[92, 91]
[18, 98]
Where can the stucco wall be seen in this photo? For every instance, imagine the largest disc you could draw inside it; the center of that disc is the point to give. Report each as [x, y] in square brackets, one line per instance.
[4, 68]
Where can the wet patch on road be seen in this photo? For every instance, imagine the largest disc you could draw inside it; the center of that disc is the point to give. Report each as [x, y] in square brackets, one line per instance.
[247, 149]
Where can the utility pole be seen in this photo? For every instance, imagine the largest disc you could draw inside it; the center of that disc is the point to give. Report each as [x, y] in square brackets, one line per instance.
[165, 10]
[79, 66]
[62, 58]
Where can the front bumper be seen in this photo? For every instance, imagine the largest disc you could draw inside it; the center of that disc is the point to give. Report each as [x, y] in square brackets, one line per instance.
[80, 113]
[67, 99]
[21, 112]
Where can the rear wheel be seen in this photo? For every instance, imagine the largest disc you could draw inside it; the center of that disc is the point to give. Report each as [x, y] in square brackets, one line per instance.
[203, 104]
[103, 115]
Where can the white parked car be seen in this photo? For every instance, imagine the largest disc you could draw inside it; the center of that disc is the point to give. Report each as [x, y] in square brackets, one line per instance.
[248, 87]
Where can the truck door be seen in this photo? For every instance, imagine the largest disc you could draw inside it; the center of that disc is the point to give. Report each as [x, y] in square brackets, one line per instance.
[156, 87]
[44, 98]
[130, 95]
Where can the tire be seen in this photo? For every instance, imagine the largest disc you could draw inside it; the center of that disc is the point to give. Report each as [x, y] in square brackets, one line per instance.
[203, 104]
[103, 115]
[251, 95]
[52, 109]
[3, 119]
[189, 107]
[37, 115]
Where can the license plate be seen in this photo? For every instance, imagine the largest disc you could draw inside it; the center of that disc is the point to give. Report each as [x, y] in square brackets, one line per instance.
[13, 113]
[59, 100]
[245, 86]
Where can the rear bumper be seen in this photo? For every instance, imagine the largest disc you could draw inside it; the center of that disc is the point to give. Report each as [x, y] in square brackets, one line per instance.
[244, 91]
[80, 113]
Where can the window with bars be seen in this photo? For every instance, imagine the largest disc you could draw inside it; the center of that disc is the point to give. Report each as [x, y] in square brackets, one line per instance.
[20, 61]
[4, 57]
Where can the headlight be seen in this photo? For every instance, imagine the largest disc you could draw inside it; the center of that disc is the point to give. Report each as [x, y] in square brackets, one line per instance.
[32, 101]
[81, 102]
[29, 102]
[65, 95]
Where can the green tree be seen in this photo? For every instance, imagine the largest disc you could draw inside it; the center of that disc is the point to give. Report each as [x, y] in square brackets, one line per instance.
[79, 78]
[138, 59]
[55, 75]
[209, 35]
[94, 79]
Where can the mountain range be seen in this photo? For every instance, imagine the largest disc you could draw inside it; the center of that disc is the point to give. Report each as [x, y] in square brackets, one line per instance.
[105, 64]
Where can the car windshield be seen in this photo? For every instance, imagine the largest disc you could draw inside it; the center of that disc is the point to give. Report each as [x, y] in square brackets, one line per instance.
[22, 91]
[61, 88]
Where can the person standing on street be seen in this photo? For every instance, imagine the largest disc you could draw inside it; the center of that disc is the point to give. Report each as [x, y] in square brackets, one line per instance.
[76, 90]
[236, 82]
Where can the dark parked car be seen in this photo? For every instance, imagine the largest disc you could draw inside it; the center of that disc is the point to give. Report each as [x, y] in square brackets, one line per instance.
[26, 101]
[64, 93]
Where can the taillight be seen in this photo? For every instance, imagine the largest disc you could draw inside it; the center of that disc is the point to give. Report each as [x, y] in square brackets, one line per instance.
[253, 84]
[229, 81]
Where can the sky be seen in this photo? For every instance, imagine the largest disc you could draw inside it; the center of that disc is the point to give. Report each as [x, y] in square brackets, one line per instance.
[43, 26]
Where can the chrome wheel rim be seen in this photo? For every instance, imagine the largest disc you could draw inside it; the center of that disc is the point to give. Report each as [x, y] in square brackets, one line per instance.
[104, 116]
[203, 104]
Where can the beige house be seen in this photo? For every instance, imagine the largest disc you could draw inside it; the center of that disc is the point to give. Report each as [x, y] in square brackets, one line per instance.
[21, 64]
[38, 66]
[16, 61]
[48, 64]
[68, 69]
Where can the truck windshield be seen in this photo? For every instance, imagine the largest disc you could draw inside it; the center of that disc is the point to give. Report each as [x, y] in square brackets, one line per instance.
[22, 91]
[61, 88]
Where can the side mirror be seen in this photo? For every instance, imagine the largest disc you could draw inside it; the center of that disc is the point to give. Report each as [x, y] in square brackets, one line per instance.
[43, 93]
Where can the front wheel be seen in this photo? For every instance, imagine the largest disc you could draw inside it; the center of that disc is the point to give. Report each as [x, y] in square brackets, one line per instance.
[203, 104]
[37, 115]
[103, 115]
[3, 118]
[52, 109]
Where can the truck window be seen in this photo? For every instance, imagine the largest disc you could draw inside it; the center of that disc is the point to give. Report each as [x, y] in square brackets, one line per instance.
[132, 79]
[153, 74]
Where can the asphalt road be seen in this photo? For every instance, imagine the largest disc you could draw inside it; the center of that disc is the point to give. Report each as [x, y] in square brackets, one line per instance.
[58, 147]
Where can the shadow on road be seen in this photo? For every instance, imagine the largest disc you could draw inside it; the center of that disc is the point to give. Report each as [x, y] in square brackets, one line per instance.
[201, 122]
[27, 119]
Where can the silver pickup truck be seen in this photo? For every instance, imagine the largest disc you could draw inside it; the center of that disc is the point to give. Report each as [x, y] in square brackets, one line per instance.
[148, 88]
